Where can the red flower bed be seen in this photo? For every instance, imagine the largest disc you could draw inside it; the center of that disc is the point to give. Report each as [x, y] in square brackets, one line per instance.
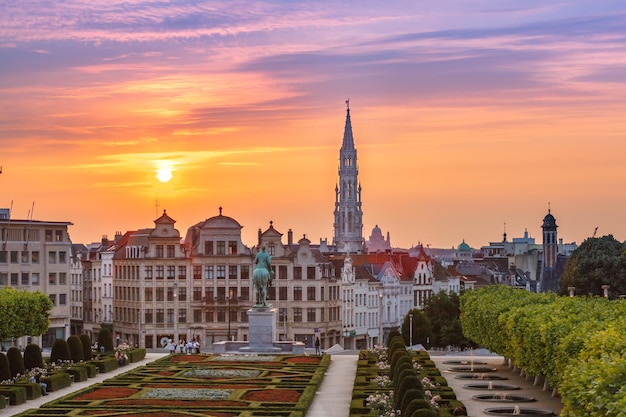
[182, 403]
[166, 373]
[273, 395]
[304, 359]
[189, 358]
[106, 393]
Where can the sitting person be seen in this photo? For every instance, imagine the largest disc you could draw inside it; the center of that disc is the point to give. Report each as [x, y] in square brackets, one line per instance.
[121, 358]
[43, 385]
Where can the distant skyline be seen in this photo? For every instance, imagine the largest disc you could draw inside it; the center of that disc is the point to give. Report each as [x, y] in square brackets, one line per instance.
[467, 115]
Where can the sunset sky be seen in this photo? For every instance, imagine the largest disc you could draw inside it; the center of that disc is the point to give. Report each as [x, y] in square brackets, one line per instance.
[467, 115]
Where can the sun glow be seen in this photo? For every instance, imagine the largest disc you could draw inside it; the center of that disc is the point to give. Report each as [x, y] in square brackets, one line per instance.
[164, 174]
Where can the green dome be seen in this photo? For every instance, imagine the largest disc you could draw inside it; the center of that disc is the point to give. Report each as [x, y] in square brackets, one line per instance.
[464, 247]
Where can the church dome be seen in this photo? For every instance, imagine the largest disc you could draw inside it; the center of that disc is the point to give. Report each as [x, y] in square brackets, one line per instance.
[464, 247]
[376, 231]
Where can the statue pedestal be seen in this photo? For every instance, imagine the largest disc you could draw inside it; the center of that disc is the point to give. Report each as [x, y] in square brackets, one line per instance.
[261, 330]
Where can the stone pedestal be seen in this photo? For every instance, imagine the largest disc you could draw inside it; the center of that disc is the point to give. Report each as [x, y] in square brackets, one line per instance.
[261, 330]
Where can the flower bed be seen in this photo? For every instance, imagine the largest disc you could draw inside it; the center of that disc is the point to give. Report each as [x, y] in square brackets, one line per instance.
[202, 385]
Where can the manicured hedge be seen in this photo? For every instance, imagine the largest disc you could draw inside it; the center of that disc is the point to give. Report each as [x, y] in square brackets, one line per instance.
[33, 389]
[105, 364]
[57, 380]
[16, 393]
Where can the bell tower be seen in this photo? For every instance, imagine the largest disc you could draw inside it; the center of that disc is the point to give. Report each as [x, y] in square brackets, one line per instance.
[348, 225]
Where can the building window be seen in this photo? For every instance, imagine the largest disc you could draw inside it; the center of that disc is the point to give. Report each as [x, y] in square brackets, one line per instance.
[245, 293]
[14, 277]
[232, 247]
[208, 272]
[58, 235]
[271, 249]
[221, 247]
[310, 293]
[25, 277]
[15, 257]
[63, 257]
[3, 256]
[24, 257]
[3, 278]
[160, 271]
[182, 315]
[182, 272]
[48, 235]
[245, 271]
[208, 316]
[171, 271]
[208, 248]
[34, 278]
[310, 272]
[197, 271]
[170, 294]
[182, 294]
[170, 315]
[53, 298]
[322, 315]
[159, 251]
[197, 294]
[297, 272]
[160, 318]
[34, 257]
[282, 271]
[171, 251]
[221, 271]
[297, 293]
[148, 315]
[62, 278]
[321, 293]
[52, 278]
[310, 315]
[271, 293]
[197, 316]
[160, 294]
[282, 314]
[232, 271]
[282, 293]
[297, 315]
[62, 299]
[221, 315]
[147, 294]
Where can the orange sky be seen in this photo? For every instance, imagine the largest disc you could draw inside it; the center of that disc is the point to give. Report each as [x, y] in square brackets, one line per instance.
[463, 120]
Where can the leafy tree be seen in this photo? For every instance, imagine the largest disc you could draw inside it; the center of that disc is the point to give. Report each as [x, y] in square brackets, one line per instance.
[443, 310]
[422, 328]
[23, 313]
[596, 262]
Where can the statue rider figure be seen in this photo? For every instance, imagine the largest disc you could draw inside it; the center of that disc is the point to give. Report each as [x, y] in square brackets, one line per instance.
[262, 276]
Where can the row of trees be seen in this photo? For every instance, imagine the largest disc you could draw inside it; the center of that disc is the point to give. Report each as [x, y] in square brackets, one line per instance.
[577, 343]
[23, 313]
[437, 325]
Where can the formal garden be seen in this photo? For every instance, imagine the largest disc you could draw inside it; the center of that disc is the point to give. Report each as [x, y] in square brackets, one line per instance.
[393, 381]
[175, 385]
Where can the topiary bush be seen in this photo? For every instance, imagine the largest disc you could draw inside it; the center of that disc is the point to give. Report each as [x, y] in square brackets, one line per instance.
[85, 340]
[105, 338]
[60, 351]
[424, 413]
[76, 348]
[16, 362]
[393, 334]
[409, 395]
[407, 383]
[32, 357]
[417, 404]
[5, 370]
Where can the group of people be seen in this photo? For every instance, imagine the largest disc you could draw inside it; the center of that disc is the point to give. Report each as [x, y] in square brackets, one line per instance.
[121, 357]
[192, 346]
[37, 379]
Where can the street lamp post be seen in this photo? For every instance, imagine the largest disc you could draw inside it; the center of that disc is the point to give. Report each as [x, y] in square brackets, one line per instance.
[380, 316]
[230, 296]
[411, 330]
[176, 338]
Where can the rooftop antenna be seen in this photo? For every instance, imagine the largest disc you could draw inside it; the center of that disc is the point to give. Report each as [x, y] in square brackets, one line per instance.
[27, 230]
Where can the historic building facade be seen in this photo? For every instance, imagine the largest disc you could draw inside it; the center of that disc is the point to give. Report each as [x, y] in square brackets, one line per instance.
[35, 256]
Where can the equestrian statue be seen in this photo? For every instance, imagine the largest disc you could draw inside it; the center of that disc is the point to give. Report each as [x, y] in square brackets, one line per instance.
[262, 277]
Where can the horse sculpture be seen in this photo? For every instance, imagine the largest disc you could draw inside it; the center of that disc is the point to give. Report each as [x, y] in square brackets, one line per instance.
[262, 277]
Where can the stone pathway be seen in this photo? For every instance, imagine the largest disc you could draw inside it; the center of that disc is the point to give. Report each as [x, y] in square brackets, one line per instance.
[335, 393]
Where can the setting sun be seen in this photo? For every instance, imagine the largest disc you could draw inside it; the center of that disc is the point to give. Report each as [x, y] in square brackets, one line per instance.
[164, 174]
